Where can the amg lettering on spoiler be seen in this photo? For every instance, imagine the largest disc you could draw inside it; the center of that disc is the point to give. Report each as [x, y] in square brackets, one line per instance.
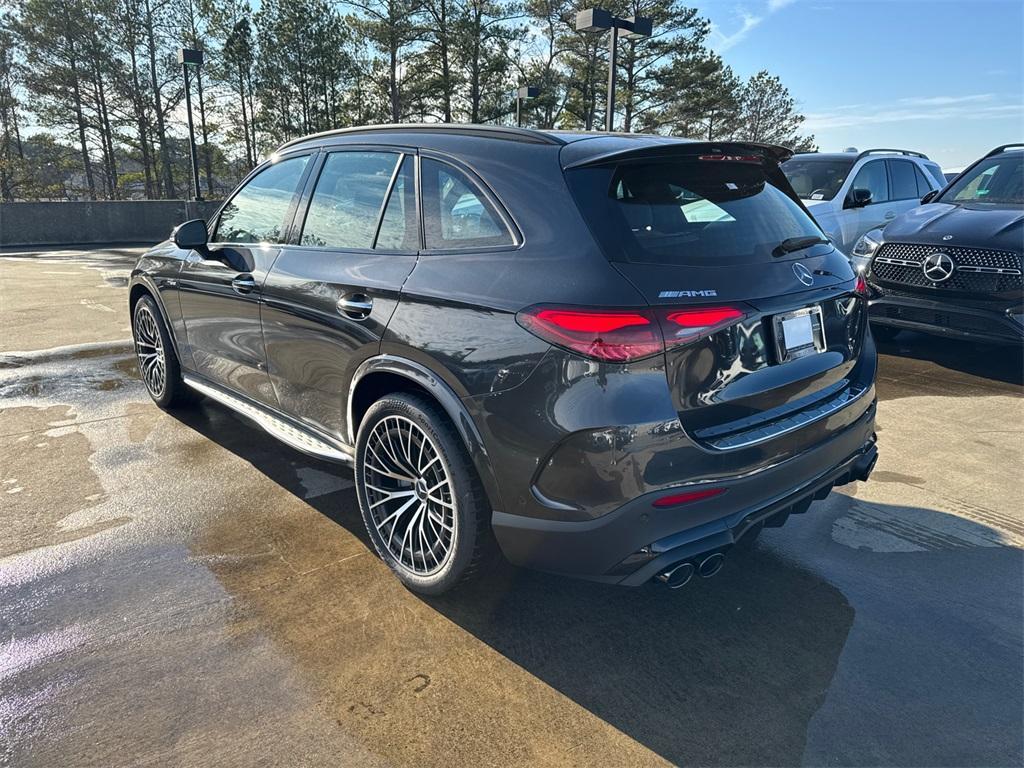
[707, 292]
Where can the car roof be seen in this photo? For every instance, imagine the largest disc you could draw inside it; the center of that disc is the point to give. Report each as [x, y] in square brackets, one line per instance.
[581, 146]
[855, 156]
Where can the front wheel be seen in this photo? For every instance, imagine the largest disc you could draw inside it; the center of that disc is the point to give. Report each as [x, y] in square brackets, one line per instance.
[421, 500]
[158, 364]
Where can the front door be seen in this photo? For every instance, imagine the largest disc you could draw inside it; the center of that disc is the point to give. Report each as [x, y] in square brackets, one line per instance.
[220, 290]
[329, 296]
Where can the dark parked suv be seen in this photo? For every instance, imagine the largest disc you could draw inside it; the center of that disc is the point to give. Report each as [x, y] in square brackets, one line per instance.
[953, 265]
[615, 355]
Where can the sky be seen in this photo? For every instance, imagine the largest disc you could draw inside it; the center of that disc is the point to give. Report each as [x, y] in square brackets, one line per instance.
[938, 76]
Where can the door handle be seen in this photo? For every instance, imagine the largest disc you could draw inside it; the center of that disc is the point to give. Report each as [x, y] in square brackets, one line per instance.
[355, 305]
[243, 284]
[890, 215]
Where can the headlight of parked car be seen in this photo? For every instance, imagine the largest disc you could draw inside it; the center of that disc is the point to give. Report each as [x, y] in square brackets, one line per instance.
[865, 248]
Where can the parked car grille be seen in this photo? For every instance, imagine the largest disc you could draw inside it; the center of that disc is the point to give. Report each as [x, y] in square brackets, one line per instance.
[978, 270]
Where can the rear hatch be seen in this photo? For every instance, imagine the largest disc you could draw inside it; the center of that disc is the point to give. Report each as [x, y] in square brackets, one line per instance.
[762, 323]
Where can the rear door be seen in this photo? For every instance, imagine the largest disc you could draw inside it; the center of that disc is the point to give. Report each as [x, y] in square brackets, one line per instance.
[753, 328]
[332, 291]
[220, 290]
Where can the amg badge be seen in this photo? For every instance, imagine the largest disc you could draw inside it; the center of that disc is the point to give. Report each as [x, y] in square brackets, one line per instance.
[707, 293]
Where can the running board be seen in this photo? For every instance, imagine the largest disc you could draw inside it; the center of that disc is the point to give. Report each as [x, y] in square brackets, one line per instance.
[299, 439]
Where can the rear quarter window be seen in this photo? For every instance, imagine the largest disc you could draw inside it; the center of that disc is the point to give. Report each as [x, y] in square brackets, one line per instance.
[688, 212]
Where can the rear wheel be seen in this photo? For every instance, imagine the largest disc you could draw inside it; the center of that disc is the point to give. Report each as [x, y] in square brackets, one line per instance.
[422, 503]
[884, 333]
[158, 364]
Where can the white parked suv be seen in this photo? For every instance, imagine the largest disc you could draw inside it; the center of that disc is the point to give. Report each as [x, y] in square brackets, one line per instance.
[850, 193]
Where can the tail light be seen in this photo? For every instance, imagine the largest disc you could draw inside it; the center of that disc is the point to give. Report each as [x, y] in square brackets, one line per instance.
[619, 336]
[861, 287]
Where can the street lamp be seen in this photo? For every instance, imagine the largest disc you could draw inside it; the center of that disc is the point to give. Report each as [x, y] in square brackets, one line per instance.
[190, 57]
[633, 27]
[525, 92]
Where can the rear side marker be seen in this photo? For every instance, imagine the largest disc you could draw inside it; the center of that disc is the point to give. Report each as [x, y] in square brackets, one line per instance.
[678, 499]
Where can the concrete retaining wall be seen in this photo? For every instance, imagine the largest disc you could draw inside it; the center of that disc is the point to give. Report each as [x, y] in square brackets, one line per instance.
[114, 221]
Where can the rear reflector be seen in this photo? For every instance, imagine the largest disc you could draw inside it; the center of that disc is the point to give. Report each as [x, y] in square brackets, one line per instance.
[677, 499]
[622, 335]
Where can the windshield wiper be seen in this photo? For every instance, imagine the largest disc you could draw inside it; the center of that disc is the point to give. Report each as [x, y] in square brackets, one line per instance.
[791, 244]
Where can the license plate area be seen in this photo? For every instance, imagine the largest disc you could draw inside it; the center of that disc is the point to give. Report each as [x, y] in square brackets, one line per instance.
[799, 333]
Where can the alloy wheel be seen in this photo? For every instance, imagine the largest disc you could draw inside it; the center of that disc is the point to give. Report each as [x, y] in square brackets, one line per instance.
[149, 348]
[409, 495]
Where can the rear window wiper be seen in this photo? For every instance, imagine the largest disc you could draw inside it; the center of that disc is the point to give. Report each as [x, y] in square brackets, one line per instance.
[791, 244]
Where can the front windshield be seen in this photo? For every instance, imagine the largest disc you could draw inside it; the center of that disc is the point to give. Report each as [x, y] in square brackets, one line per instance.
[998, 180]
[816, 179]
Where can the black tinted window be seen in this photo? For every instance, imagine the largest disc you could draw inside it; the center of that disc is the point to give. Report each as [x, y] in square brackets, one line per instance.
[688, 212]
[456, 213]
[998, 179]
[923, 187]
[400, 227]
[872, 177]
[903, 178]
[816, 179]
[348, 199]
[257, 213]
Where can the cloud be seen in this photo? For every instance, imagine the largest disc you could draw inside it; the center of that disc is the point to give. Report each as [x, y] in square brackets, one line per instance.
[981, 106]
[721, 42]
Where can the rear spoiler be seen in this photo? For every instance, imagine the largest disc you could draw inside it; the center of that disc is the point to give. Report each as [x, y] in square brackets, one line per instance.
[578, 154]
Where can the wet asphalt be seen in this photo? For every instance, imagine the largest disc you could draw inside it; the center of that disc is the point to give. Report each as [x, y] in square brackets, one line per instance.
[181, 589]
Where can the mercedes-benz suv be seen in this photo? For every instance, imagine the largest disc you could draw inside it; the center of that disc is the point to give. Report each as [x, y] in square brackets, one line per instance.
[617, 356]
[953, 265]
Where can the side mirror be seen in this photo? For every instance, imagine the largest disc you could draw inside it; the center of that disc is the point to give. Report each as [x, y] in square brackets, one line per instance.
[191, 235]
[859, 198]
[929, 197]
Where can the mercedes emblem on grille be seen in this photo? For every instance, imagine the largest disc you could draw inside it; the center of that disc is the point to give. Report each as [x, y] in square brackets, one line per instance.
[938, 267]
[803, 274]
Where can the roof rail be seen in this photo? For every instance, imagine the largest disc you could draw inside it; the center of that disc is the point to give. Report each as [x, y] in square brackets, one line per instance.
[1003, 148]
[485, 131]
[909, 152]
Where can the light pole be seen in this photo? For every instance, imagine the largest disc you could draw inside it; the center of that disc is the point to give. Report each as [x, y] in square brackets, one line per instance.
[189, 57]
[525, 92]
[599, 20]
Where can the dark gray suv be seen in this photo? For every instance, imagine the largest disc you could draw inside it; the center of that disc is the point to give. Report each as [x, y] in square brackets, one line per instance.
[617, 355]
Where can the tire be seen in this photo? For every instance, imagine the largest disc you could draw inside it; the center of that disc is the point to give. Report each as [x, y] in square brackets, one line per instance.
[421, 500]
[884, 333]
[154, 352]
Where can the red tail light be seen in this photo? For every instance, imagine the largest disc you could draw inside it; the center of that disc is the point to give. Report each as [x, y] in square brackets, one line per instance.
[861, 288]
[686, 498]
[622, 335]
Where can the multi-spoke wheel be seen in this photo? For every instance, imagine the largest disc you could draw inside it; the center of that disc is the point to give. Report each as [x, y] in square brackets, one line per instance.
[149, 348]
[158, 365]
[420, 499]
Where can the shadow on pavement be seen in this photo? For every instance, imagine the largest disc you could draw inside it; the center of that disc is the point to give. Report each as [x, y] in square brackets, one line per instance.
[917, 353]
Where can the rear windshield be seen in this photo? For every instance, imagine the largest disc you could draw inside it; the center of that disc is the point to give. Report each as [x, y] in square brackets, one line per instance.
[815, 179]
[688, 212]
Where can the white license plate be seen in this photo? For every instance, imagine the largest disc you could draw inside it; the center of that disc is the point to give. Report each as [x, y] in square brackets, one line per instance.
[797, 332]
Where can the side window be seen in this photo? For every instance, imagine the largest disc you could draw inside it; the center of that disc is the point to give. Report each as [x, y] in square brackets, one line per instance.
[872, 176]
[400, 227]
[456, 214]
[937, 174]
[904, 182]
[257, 212]
[923, 185]
[348, 199]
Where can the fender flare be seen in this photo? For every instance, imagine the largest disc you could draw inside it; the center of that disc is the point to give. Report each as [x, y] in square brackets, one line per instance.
[147, 282]
[449, 401]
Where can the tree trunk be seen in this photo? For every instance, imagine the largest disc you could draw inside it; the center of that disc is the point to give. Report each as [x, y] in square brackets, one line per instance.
[161, 128]
[207, 159]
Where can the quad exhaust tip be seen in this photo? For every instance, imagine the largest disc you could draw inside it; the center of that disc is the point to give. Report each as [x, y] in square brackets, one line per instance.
[711, 565]
[677, 576]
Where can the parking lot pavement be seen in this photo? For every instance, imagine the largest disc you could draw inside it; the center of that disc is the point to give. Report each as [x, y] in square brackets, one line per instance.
[183, 590]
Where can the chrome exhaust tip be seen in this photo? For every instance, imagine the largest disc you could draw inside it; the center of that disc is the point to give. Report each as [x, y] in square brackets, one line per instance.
[711, 565]
[677, 576]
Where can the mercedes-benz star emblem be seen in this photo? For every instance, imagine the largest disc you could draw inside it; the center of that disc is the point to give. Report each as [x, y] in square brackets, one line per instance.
[947, 237]
[803, 274]
[938, 267]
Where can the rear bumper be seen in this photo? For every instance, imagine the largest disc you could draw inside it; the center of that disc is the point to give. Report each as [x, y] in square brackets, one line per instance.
[945, 318]
[637, 541]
